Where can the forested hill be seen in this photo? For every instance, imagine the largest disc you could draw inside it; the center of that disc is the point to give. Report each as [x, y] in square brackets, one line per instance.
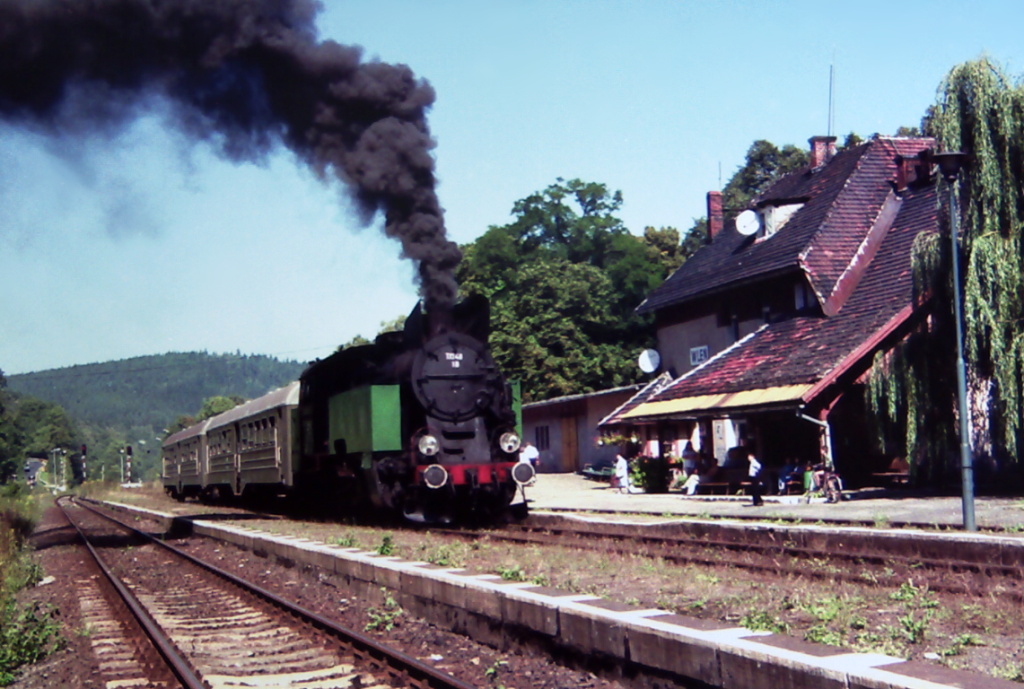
[154, 390]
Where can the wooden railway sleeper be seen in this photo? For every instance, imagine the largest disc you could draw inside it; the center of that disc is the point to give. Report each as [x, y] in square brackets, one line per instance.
[394, 660]
[179, 665]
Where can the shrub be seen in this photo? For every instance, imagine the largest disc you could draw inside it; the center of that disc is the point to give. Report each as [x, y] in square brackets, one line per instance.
[28, 633]
[652, 474]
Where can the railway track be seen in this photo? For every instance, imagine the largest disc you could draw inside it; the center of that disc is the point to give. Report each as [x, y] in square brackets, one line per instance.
[825, 553]
[211, 629]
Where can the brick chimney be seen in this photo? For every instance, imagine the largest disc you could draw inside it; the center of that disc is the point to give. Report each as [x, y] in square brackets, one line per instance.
[822, 150]
[715, 218]
[910, 171]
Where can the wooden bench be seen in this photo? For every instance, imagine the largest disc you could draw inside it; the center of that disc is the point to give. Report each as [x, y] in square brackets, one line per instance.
[723, 487]
[603, 473]
[892, 479]
[895, 475]
[794, 487]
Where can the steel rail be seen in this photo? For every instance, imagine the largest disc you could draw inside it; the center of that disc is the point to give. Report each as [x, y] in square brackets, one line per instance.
[772, 547]
[387, 659]
[179, 665]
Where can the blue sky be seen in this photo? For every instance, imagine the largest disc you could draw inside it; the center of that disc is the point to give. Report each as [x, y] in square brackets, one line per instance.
[148, 244]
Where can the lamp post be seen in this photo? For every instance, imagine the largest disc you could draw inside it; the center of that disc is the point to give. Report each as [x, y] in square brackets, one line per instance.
[950, 165]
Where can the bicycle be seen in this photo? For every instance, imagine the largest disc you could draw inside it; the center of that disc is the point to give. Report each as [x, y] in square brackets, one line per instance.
[828, 483]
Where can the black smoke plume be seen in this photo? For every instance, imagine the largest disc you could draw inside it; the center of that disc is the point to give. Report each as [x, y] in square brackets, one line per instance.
[245, 75]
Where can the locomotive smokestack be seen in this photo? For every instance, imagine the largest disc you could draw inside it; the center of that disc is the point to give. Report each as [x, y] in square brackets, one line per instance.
[441, 319]
[245, 75]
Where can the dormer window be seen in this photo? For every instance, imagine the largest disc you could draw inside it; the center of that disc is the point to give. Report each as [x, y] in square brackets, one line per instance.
[766, 221]
[774, 218]
[803, 298]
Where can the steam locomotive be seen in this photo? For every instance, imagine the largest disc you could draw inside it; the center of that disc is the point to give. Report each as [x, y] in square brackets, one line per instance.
[419, 423]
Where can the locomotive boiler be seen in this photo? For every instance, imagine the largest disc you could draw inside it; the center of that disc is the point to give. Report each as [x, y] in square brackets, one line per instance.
[421, 422]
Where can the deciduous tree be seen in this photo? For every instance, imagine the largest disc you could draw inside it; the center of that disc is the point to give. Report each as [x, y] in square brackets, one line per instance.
[218, 404]
[564, 278]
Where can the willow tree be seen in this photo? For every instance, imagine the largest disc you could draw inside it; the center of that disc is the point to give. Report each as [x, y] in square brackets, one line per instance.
[979, 111]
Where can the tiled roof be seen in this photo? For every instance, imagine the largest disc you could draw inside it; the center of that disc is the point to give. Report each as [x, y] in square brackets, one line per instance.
[842, 200]
[648, 391]
[803, 352]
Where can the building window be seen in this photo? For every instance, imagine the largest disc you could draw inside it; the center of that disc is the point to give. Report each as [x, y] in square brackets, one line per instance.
[542, 437]
[803, 298]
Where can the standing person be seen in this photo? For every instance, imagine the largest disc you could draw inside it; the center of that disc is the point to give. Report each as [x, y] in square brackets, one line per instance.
[754, 474]
[622, 473]
[529, 454]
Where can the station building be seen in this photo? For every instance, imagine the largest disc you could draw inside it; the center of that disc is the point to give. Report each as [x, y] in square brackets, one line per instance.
[564, 429]
[766, 333]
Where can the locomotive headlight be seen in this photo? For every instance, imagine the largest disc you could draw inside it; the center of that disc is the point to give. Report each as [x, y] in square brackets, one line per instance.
[428, 445]
[509, 442]
[435, 476]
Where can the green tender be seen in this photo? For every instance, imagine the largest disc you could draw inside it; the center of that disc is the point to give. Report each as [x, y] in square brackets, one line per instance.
[368, 419]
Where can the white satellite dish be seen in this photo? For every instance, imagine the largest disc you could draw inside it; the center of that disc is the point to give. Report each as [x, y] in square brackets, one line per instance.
[650, 360]
[747, 223]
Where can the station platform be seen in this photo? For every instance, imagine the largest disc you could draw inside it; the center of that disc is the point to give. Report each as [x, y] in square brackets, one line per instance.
[885, 508]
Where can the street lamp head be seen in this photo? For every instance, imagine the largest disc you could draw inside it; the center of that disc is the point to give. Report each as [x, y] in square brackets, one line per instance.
[950, 164]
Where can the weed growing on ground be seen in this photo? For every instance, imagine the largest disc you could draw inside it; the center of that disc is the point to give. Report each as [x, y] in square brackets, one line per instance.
[27, 634]
[494, 671]
[869, 576]
[871, 642]
[1012, 671]
[913, 596]
[511, 573]
[914, 626]
[959, 642]
[827, 609]
[976, 617]
[446, 555]
[384, 618]
[821, 634]
[349, 540]
[387, 545]
[762, 620]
